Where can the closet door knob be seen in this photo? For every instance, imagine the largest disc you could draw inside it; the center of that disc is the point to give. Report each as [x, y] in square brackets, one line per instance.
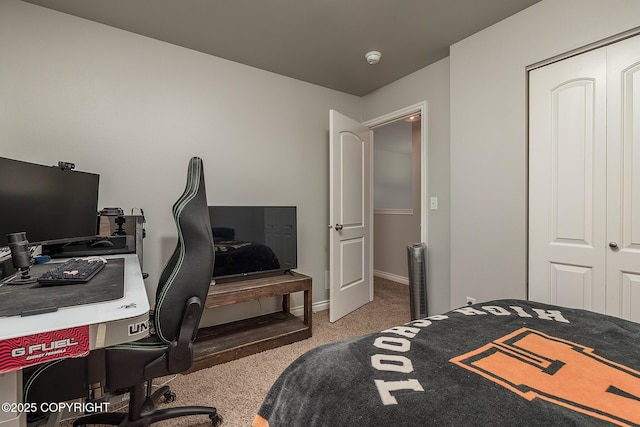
[339, 227]
[613, 245]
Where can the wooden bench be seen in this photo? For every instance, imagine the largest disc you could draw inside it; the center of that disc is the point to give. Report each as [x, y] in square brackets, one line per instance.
[230, 341]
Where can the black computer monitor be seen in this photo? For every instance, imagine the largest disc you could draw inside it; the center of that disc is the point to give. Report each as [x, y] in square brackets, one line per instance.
[49, 203]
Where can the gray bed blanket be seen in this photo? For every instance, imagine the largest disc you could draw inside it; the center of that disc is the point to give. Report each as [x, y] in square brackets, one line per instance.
[505, 362]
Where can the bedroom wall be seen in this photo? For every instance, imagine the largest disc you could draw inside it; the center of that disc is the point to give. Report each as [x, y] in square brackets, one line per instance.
[429, 84]
[392, 170]
[489, 136]
[134, 110]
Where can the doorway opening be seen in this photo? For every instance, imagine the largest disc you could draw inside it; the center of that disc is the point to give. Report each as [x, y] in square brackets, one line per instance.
[351, 206]
[399, 187]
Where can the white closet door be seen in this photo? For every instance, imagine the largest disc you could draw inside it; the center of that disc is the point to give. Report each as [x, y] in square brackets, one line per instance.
[623, 179]
[567, 182]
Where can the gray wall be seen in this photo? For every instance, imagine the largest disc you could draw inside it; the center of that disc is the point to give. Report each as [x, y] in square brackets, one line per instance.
[392, 169]
[429, 84]
[489, 136]
[134, 110]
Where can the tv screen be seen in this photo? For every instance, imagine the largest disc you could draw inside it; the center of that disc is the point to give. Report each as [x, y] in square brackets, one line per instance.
[253, 239]
[50, 204]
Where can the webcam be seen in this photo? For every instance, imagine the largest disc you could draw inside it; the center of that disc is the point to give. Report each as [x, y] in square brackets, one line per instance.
[66, 165]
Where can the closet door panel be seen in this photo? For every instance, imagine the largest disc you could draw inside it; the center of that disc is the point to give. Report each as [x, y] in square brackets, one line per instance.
[567, 182]
[623, 179]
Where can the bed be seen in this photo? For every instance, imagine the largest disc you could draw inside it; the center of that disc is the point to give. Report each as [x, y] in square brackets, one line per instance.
[504, 362]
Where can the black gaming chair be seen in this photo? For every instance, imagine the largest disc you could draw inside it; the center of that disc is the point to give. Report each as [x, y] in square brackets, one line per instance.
[180, 297]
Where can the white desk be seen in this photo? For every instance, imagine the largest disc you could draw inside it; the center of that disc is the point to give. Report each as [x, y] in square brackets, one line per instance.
[110, 322]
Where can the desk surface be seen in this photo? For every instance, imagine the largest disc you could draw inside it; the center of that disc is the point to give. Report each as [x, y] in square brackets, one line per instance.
[110, 322]
[132, 305]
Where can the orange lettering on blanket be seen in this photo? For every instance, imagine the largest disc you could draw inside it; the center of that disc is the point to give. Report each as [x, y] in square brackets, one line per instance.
[258, 421]
[533, 364]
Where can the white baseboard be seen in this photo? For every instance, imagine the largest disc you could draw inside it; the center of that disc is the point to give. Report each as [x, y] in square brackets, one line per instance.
[315, 307]
[324, 305]
[393, 277]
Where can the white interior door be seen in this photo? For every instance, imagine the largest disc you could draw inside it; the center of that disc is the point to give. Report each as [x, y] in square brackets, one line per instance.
[567, 182]
[623, 179]
[351, 215]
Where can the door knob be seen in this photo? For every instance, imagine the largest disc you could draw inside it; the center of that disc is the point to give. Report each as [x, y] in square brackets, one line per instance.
[339, 227]
[613, 245]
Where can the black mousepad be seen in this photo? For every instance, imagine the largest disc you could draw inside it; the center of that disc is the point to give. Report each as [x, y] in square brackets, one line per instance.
[33, 298]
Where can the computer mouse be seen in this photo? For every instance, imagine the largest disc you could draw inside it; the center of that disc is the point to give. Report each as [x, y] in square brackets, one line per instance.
[102, 244]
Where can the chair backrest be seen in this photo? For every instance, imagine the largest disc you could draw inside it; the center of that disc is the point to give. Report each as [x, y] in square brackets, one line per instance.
[189, 269]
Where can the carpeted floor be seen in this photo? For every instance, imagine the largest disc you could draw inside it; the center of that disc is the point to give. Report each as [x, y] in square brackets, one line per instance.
[237, 388]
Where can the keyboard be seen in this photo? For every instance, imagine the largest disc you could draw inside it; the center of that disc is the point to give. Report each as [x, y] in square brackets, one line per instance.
[73, 271]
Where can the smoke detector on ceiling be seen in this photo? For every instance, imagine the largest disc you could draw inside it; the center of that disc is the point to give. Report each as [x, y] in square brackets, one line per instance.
[373, 57]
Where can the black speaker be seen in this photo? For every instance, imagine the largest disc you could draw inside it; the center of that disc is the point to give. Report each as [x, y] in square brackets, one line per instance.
[417, 260]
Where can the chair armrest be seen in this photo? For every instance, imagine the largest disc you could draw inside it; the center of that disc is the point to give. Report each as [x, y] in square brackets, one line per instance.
[181, 351]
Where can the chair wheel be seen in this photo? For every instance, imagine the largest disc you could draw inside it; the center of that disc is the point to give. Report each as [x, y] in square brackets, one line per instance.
[169, 396]
[216, 419]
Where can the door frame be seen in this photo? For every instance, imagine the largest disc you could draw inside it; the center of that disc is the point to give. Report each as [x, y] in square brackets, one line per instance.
[422, 109]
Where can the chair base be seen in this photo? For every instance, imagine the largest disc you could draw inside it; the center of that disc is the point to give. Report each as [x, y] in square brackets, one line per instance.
[122, 419]
[145, 413]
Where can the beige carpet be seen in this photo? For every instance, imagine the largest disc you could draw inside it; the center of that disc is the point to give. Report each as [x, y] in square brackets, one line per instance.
[237, 388]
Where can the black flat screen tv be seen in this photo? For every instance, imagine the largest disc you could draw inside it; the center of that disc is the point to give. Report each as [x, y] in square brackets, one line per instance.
[50, 204]
[253, 239]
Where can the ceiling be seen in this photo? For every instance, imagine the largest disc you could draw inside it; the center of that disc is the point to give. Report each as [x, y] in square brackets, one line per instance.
[317, 41]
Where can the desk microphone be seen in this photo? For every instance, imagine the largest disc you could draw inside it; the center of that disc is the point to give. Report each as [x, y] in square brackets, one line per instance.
[21, 257]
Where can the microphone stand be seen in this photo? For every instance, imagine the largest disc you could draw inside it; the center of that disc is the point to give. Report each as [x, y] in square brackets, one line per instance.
[21, 257]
